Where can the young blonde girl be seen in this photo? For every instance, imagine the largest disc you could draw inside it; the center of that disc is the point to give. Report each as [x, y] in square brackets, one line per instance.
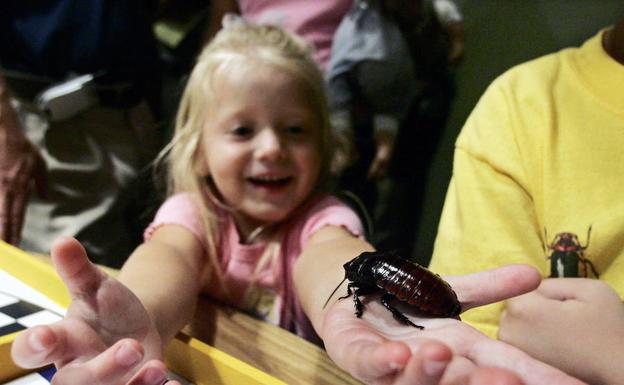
[250, 258]
[247, 223]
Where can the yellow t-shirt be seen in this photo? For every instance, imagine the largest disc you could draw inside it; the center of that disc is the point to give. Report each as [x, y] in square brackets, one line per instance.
[542, 150]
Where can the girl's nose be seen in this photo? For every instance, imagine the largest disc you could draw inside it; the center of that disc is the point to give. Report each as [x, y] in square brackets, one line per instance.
[270, 144]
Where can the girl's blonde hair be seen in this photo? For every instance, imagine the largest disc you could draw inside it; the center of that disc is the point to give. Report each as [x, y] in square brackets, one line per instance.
[230, 49]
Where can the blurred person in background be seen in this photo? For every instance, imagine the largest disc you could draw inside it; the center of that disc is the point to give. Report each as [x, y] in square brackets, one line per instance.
[79, 92]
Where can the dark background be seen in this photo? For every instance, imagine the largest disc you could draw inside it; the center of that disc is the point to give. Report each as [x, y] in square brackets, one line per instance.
[499, 35]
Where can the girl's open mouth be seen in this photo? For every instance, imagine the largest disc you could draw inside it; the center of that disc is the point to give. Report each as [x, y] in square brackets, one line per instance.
[269, 182]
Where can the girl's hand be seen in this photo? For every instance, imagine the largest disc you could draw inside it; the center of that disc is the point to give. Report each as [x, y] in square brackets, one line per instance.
[107, 337]
[378, 350]
[574, 324]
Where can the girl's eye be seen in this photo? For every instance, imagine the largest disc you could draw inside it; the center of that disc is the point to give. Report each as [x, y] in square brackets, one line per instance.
[295, 130]
[242, 131]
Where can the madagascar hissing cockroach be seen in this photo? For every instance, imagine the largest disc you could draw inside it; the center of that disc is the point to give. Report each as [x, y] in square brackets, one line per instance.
[396, 277]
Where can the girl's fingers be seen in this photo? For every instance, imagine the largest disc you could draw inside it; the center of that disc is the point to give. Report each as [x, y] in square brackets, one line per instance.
[494, 285]
[59, 342]
[31, 348]
[115, 365]
[44, 345]
[73, 266]
[369, 361]
[426, 366]
[152, 373]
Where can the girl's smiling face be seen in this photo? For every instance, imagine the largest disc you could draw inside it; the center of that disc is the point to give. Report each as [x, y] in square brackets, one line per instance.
[261, 144]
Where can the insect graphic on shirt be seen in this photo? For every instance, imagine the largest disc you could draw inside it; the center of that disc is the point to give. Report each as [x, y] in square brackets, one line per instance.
[567, 254]
[398, 278]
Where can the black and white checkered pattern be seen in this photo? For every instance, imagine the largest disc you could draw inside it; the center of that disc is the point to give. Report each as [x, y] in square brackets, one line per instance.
[16, 314]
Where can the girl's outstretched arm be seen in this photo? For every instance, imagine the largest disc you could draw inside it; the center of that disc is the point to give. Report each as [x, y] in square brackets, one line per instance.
[115, 330]
[167, 273]
[378, 350]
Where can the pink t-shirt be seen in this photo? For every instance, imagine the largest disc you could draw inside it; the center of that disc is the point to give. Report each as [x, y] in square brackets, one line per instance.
[273, 296]
[314, 20]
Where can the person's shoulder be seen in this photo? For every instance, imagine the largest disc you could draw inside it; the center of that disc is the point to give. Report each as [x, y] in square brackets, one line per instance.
[520, 94]
[181, 198]
[325, 200]
[183, 204]
[526, 87]
[326, 209]
[534, 71]
[326, 203]
[541, 71]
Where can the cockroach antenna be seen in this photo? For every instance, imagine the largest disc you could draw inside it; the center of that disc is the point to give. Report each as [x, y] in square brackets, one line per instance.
[334, 292]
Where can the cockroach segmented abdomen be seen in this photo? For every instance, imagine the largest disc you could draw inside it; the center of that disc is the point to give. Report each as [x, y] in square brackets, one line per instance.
[397, 278]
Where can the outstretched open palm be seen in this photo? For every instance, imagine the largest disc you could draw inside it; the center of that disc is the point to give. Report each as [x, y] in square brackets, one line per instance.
[378, 350]
[107, 337]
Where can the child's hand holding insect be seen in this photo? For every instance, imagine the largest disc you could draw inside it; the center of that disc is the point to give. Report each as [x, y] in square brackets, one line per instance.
[377, 349]
[579, 320]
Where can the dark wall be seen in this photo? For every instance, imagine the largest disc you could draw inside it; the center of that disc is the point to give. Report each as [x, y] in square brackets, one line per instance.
[500, 34]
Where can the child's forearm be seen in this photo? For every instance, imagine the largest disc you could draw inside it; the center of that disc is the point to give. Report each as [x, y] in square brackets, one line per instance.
[320, 269]
[167, 284]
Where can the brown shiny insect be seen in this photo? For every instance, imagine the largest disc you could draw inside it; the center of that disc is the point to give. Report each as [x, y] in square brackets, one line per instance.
[396, 277]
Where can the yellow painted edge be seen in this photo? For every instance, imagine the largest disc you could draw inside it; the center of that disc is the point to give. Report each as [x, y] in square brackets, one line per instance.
[184, 355]
[35, 273]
